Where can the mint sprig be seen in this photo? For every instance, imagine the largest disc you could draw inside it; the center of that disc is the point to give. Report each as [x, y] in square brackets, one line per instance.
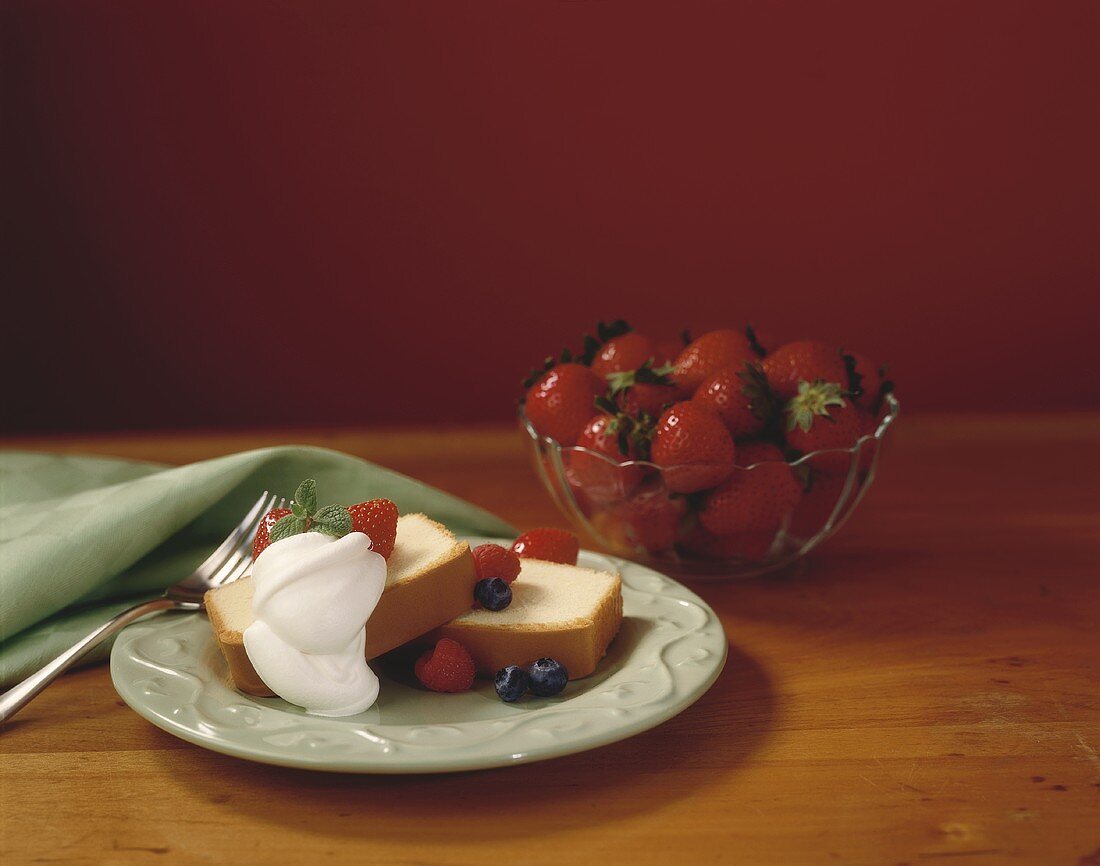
[334, 520]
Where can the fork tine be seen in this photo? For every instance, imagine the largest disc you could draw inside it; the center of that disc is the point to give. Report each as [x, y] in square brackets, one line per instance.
[237, 563]
[223, 557]
[215, 559]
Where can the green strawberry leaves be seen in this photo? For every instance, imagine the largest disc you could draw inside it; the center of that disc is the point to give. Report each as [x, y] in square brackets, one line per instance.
[646, 374]
[813, 401]
[334, 520]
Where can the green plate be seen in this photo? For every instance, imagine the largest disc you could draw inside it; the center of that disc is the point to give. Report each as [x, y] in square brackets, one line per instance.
[670, 650]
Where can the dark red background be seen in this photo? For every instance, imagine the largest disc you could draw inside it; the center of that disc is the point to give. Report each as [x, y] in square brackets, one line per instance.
[266, 213]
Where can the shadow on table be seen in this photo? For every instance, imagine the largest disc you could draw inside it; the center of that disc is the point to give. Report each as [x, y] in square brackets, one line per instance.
[708, 742]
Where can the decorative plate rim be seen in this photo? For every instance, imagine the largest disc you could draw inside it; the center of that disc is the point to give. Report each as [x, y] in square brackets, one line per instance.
[163, 669]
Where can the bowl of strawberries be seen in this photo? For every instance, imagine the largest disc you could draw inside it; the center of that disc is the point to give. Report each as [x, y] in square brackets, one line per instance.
[712, 457]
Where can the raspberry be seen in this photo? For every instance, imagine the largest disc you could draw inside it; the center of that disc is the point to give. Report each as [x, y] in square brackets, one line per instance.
[492, 560]
[552, 545]
[447, 668]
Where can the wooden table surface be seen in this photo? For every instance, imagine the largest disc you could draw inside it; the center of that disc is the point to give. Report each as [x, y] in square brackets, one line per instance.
[926, 688]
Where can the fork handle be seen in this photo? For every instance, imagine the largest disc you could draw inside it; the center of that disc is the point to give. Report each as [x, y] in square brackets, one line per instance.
[18, 696]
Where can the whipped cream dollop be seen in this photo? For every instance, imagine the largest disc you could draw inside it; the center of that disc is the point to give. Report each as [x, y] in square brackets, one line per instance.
[312, 595]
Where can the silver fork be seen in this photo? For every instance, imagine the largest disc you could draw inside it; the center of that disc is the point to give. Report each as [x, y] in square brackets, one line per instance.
[227, 563]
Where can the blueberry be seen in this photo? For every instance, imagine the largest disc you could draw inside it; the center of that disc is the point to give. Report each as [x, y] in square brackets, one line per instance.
[548, 677]
[511, 683]
[492, 593]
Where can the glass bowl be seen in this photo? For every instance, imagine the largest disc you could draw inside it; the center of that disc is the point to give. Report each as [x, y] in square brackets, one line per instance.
[628, 508]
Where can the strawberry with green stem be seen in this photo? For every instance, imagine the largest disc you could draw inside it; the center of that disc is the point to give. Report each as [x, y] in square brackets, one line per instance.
[819, 418]
[627, 352]
[804, 361]
[646, 388]
[742, 398]
[614, 438]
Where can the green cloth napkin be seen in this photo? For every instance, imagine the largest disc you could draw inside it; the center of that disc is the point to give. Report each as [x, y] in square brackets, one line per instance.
[82, 538]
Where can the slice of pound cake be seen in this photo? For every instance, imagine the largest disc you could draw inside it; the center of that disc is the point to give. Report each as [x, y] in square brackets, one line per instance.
[563, 612]
[430, 578]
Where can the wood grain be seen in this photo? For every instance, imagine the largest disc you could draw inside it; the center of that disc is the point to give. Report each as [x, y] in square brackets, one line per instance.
[925, 689]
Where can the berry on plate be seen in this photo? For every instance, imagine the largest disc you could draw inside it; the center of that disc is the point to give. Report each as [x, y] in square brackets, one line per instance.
[262, 539]
[819, 418]
[756, 498]
[563, 399]
[377, 519]
[741, 398]
[547, 677]
[492, 593]
[511, 683]
[492, 560]
[716, 350]
[549, 544]
[446, 668]
[693, 447]
[804, 361]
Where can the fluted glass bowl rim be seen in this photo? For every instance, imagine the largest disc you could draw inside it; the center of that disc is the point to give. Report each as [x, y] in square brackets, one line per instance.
[892, 405]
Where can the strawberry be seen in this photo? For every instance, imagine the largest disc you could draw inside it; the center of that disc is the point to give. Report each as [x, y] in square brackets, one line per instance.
[741, 398]
[750, 546]
[819, 418]
[607, 435]
[693, 447]
[549, 544]
[648, 398]
[261, 541]
[645, 389]
[560, 403]
[652, 518]
[378, 519]
[628, 352]
[492, 560]
[804, 361]
[446, 668]
[714, 351]
[754, 499]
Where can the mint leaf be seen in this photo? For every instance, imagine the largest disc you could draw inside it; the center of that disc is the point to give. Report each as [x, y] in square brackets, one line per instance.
[298, 510]
[333, 520]
[306, 495]
[286, 526]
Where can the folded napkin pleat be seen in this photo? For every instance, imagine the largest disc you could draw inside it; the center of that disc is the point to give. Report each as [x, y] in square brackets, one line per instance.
[84, 537]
